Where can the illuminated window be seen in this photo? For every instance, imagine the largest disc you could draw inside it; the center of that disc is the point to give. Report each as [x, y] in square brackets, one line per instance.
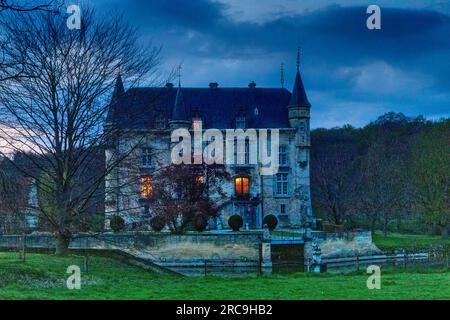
[146, 186]
[242, 186]
[146, 157]
[200, 179]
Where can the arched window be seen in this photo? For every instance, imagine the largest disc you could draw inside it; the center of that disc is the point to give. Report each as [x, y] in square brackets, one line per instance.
[242, 186]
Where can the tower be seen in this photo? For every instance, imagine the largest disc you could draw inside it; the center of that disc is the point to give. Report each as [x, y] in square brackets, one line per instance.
[299, 106]
[299, 116]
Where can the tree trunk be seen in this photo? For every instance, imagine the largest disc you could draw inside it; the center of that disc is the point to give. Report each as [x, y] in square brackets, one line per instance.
[372, 226]
[385, 225]
[62, 244]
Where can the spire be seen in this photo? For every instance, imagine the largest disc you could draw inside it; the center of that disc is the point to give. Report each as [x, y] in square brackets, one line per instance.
[118, 88]
[179, 109]
[298, 97]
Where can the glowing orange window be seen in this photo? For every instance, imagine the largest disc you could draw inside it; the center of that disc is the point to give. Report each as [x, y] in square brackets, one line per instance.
[146, 186]
[242, 186]
[200, 179]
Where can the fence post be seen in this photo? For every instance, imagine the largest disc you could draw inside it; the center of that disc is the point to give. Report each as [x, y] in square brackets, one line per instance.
[86, 263]
[357, 262]
[24, 247]
[205, 268]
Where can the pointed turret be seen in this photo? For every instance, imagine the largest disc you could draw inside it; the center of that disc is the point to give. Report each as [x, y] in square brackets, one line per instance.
[179, 113]
[299, 106]
[119, 90]
[179, 109]
[299, 98]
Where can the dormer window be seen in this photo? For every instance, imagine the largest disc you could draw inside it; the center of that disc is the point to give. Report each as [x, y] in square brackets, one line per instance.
[240, 123]
[196, 123]
[160, 123]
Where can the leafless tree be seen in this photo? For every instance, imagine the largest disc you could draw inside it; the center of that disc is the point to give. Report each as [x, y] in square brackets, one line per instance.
[27, 6]
[180, 193]
[334, 175]
[56, 108]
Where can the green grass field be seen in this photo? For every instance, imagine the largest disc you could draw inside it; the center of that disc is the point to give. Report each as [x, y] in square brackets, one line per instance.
[44, 277]
[407, 241]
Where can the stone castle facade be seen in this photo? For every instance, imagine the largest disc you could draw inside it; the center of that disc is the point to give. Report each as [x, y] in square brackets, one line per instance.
[141, 120]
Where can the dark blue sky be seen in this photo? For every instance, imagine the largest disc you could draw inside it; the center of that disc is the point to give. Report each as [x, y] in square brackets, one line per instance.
[351, 74]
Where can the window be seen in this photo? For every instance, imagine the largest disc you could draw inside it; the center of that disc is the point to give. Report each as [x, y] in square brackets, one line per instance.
[196, 123]
[146, 186]
[241, 152]
[146, 157]
[282, 209]
[281, 187]
[160, 123]
[242, 186]
[200, 179]
[283, 155]
[240, 123]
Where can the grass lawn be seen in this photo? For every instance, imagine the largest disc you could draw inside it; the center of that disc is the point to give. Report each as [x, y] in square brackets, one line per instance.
[407, 241]
[43, 277]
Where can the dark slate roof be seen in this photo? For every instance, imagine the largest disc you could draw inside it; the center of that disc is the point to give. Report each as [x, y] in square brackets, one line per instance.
[299, 97]
[138, 108]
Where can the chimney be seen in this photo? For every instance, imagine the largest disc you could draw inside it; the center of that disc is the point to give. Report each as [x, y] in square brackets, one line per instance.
[252, 84]
[213, 85]
[169, 85]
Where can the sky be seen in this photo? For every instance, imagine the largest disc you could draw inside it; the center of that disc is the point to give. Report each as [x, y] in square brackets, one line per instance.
[351, 74]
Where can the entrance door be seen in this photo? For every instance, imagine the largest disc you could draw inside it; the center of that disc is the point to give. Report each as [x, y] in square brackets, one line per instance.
[248, 214]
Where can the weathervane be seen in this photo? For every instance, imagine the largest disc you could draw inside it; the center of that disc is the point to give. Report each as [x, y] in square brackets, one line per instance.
[282, 75]
[298, 58]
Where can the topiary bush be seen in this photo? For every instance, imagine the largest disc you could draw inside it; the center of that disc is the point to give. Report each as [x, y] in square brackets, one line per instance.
[117, 223]
[235, 222]
[200, 222]
[271, 221]
[157, 223]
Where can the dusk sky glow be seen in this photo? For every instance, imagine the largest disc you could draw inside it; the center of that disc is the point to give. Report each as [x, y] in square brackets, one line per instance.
[351, 74]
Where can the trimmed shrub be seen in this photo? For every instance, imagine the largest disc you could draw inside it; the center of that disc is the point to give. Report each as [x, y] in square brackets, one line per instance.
[157, 223]
[235, 222]
[271, 221]
[117, 223]
[200, 222]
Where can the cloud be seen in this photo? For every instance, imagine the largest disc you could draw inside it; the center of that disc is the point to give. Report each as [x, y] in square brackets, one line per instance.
[404, 65]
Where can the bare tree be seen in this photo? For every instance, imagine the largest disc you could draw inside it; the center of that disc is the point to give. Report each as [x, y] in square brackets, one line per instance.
[56, 108]
[334, 175]
[27, 6]
[182, 193]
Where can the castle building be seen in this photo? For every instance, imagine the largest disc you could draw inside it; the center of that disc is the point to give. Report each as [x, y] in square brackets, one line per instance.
[145, 118]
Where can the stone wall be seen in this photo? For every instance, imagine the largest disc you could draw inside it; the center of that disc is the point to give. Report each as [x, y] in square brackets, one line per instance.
[341, 244]
[166, 249]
